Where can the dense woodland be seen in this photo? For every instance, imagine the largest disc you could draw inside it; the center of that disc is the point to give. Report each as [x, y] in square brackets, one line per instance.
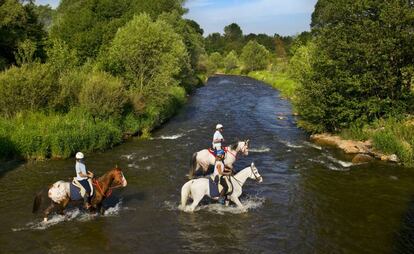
[83, 76]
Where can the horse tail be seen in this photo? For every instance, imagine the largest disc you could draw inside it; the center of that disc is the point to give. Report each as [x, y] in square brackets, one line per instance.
[193, 164]
[37, 201]
[185, 193]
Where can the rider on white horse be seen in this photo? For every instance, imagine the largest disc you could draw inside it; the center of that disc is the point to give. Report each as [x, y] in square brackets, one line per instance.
[82, 176]
[219, 175]
[218, 138]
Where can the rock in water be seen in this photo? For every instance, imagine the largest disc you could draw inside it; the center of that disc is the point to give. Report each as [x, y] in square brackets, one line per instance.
[362, 158]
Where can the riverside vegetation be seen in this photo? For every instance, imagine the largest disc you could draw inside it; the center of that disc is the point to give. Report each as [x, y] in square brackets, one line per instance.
[352, 75]
[83, 76]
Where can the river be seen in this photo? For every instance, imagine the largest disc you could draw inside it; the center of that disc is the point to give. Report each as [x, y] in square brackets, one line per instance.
[312, 200]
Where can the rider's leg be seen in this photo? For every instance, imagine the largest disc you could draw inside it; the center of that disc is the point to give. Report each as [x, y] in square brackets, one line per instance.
[224, 190]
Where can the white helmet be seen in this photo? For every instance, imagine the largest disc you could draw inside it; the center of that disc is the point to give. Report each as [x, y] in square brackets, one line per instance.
[219, 126]
[79, 155]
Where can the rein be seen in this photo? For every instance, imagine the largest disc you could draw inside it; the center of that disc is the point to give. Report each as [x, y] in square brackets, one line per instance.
[99, 188]
[239, 182]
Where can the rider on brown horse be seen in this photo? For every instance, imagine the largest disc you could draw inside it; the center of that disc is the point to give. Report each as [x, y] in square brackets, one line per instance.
[82, 177]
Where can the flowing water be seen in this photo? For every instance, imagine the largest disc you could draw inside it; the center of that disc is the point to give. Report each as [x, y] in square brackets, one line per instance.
[312, 199]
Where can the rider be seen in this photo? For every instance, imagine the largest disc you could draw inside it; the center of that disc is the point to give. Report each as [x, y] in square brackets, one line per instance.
[82, 176]
[218, 138]
[219, 175]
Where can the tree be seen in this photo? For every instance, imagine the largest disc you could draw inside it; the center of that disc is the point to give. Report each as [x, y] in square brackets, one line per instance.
[19, 23]
[363, 49]
[215, 43]
[148, 55]
[231, 61]
[217, 59]
[89, 25]
[254, 56]
[233, 36]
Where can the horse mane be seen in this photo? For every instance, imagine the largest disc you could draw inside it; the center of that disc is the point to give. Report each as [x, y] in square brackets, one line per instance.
[234, 146]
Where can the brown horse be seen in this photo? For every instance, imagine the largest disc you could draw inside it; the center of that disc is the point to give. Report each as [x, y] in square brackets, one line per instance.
[59, 193]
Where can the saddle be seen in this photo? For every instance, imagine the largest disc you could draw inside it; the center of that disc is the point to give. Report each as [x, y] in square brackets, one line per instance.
[216, 188]
[213, 152]
[77, 191]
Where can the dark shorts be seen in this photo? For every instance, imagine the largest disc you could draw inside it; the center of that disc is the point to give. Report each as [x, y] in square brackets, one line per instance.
[86, 185]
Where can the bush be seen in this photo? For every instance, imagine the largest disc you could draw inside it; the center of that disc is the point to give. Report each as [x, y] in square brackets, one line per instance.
[254, 56]
[30, 87]
[103, 96]
[231, 62]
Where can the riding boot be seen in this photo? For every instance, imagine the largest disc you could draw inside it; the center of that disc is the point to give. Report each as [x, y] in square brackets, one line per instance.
[222, 198]
[86, 202]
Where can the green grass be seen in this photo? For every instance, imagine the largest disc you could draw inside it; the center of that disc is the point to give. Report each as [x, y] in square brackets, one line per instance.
[390, 136]
[39, 135]
[278, 80]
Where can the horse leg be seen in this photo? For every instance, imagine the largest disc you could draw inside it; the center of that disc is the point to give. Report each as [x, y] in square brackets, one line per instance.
[48, 210]
[62, 206]
[238, 203]
[196, 200]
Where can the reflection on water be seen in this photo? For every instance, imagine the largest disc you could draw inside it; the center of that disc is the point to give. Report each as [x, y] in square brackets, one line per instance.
[312, 200]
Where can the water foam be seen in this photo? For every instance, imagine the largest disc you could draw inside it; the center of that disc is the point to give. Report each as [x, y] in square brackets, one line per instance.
[250, 203]
[312, 145]
[128, 156]
[71, 215]
[171, 137]
[342, 163]
[261, 149]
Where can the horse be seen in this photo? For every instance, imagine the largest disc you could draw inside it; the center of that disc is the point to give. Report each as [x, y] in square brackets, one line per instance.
[204, 158]
[200, 187]
[59, 193]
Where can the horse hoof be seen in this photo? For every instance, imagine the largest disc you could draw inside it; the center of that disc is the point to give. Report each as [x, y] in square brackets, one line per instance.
[44, 219]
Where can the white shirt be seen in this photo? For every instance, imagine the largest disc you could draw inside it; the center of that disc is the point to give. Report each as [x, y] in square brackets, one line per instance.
[216, 172]
[217, 136]
[80, 168]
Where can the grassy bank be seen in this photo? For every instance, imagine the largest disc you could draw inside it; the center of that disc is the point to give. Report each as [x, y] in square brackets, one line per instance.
[39, 135]
[278, 80]
[390, 136]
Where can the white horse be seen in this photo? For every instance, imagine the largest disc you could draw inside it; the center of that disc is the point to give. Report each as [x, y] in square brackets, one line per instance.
[204, 158]
[198, 188]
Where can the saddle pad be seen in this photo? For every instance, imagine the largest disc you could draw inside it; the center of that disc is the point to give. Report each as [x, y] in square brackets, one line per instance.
[74, 192]
[214, 192]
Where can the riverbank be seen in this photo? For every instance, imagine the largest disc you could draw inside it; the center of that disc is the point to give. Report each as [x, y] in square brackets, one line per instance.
[386, 139]
[40, 135]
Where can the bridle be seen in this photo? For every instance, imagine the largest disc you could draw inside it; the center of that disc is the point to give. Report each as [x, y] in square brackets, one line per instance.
[252, 173]
[108, 193]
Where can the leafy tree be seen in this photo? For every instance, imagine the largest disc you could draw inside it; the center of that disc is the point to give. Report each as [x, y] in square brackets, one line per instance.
[233, 36]
[215, 43]
[363, 49]
[254, 56]
[231, 61]
[19, 23]
[89, 25]
[45, 15]
[217, 59]
[103, 96]
[262, 39]
[148, 55]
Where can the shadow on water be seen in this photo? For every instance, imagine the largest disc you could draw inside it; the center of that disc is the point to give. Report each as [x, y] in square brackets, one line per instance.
[9, 166]
[404, 239]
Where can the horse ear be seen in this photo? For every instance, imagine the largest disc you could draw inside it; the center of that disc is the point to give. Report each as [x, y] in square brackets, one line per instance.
[252, 164]
[247, 141]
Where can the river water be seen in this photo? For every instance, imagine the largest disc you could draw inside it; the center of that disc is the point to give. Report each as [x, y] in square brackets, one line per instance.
[312, 200]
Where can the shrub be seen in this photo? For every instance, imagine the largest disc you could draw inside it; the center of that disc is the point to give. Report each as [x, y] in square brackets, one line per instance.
[103, 96]
[29, 87]
[254, 56]
[231, 61]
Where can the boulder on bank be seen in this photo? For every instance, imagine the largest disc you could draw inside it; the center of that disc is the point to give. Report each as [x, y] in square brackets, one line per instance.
[348, 146]
[363, 149]
[362, 158]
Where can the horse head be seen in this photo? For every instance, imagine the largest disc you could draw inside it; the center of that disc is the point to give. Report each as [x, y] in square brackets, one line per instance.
[244, 147]
[255, 173]
[118, 177]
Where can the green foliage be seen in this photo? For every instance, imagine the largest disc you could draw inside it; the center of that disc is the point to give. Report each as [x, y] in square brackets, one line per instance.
[148, 55]
[18, 23]
[231, 61]
[217, 59]
[103, 96]
[89, 26]
[39, 136]
[362, 49]
[254, 57]
[30, 87]
[25, 52]
[278, 80]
